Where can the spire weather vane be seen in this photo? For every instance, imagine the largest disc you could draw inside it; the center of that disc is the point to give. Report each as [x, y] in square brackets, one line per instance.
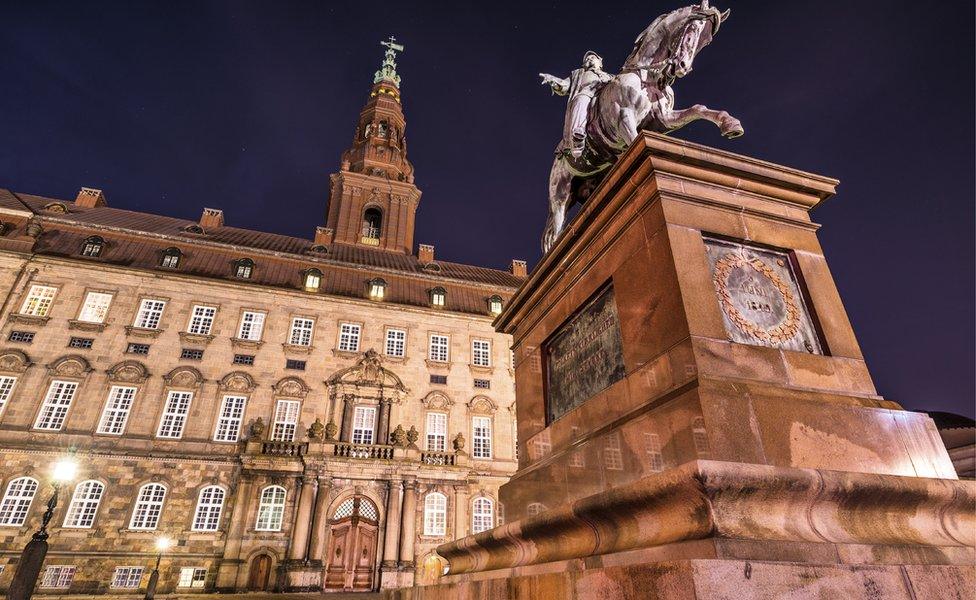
[388, 69]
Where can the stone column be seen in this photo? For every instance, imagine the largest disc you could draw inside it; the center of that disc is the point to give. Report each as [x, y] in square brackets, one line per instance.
[229, 566]
[345, 434]
[320, 520]
[299, 538]
[383, 430]
[409, 529]
[460, 511]
[391, 542]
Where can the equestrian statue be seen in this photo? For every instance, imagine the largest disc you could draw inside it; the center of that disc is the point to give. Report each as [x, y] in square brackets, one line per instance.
[605, 112]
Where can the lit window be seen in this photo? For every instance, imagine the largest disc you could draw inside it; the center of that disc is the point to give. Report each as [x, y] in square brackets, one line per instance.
[252, 326]
[16, 501]
[377, 289]
[396, 342]
[482, 515]
[481, 353]
[436, 432]
[150, 313]
[127, 577]
[271, 509]
[210, 504]
[372, 222]
[116, 411]
[313, 279]
[58, 576]
[149, 506]
[39, 300]
[84, 504]
[192, 577]
[435, 514]
[285, 420]
[438, 297]
[171, 258]
[481, 437]
[6, 389]
[439, 350]
[613, 458]
[174, 414]
[495, 305]
[243, 268]
[95, 307]
[56, 403]
[349, 337]
[301, 331]
[363, 420]
[229, 421]
[201, 320]
[92, 246]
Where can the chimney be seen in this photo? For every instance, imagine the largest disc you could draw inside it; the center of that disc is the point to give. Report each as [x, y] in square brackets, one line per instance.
[425, 253]
[323, 236]
[90, 198]
[212, 217]
[518, 268]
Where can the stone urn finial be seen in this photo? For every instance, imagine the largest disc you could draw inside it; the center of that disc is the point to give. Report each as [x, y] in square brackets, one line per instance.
[257, 429]
[398, 437]
[316, 430]
[459, 443]
[412, 436]
[331, 431]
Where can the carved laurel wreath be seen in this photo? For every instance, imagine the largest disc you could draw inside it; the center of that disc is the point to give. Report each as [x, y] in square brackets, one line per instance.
[790, 324]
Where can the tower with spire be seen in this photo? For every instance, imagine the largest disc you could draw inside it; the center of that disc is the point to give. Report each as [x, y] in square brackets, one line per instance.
[373, 199]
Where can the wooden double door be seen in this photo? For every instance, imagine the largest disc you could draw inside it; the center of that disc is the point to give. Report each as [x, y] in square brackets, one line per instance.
[352, 546]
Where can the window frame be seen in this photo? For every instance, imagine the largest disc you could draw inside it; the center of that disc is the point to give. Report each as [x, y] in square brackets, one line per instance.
[130, 571]
[171, 254]
[485, 353]
[301, 330]
[192, 578]
[243, 268]
[202, 319]
[276, 421]
[8, 383]
[402, 342]
[17, 506]
[116, 393]
[94, 307]
[486, 440]
[56, 408]
[92, 246]
[253, 324]
[179, 418]
[39, 304]
[208, 510]
[446, 348]
[440, 439]
[61, 582]
[81, 511]
[477, 527]
[314, 275]
[271, 510]
[354, 332]
[435, 517]
[147, 506]
[366, 435]
[231, 421]
[144, 313]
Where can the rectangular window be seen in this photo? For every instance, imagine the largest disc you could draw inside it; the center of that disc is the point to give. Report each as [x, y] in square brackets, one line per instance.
[301, 331]
[192, 577]
[6, 389]
[362, 425]
[117, 409]
[481, 353]
[652, 446]
[481, 437]
[483, 384]
[174, 414]
[23, 337]
[58, 576]
[56, 403]
[39, 300]
[613, 458]
[229, 420]
[252, 326]
[127, 577]
[150, 313]
[95, 307]
[137, 349]
[191, 354]
[439, 379]
[244, 359]
[436, 432]
[349, 337]
[82, 343]
[396, 342]
[439, 348]
[285, 420]
[201, 320]
[297, 365]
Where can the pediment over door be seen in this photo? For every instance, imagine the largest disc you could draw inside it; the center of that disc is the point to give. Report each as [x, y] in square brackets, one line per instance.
[368, 378]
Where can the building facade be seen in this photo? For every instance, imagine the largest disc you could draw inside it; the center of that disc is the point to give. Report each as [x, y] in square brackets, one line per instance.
[296, 414]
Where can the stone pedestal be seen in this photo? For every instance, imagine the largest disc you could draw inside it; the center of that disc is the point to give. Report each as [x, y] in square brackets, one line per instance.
[695, 414]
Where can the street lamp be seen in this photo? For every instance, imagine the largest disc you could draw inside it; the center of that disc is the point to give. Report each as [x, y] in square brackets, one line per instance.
[162, 545]
[32, 558]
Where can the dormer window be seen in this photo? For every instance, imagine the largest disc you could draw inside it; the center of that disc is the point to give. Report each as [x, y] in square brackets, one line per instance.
[372, 221]
[194, 228]
[495, 305]
[438, 297]
[171, 258]
[243, 268]
[93, 246]
[312, 280]
[377, 289]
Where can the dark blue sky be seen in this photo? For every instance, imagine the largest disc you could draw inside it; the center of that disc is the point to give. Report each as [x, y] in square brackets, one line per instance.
[246, 106]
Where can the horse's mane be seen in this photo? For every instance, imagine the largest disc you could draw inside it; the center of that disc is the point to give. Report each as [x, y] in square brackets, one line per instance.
[658, 32]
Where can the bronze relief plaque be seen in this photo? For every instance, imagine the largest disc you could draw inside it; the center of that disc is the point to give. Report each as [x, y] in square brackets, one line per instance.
[583, 356]
[760, 299]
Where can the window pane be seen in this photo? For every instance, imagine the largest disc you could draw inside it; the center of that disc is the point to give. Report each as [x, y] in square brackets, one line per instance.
[6, 389]
[39, 300]
[201, 320]
[436, 432]
[116, 411]
[301, 332]
[150, 313]
[481, 353]
[84, 504]
[252, 326]
[95, 308]
[56, 404]
[396, 342]
[481, 434]
[439, 348]
[17, 500]
[364, 419]
[209, 506]
[435, 514]
[349, 337]
[229, 420]
[285, 421]
[271, 509]
[174, 414]
[149, 506]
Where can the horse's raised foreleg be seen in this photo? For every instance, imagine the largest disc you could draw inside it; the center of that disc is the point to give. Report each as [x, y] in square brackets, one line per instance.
[560, 188]
[727, 124]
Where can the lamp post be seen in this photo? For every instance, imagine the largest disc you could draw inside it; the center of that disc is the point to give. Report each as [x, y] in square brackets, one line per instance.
[32, 558]
[162, 544]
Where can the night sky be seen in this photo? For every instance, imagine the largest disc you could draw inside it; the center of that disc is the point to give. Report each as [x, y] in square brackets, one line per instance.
[169, 107]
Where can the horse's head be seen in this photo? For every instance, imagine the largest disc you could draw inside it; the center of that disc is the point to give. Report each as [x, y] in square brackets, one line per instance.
[671, 42]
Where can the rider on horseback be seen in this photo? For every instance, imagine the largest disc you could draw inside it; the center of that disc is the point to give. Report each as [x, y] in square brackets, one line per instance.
[582, 86]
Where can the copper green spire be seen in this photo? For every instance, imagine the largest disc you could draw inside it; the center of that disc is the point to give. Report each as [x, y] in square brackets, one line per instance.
[387, 71]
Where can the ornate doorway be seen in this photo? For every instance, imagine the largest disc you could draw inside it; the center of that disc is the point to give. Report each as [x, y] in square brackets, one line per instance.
[259, 575]
[352, 546]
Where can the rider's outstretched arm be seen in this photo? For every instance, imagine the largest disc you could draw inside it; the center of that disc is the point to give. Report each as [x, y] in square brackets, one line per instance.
[560, 87]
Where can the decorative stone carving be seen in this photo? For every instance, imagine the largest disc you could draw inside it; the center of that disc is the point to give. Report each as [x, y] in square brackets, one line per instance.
[128, 371]
[293, 387]
[458, 443]
[34, 229]
[369, 371]
[185, 377]
[412, 436]
[398, 437]
[14, 361]
[257, 429]
[238, 381]
[316, 430]
[331, 431]
[69, 366]
[437, 401]
[482, 405]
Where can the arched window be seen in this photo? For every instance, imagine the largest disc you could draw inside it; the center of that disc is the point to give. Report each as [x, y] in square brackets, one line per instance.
[210, 503]
[93, 246]
[482, 515]
[271, 509]
[149, 506]
[372, 221]
[171, 258]
[438, 297]
[495, 305]
[377, 289]
[84, 505]
[312, 280]
[435, 514]
[535, 508]
[243, 267]
[17, 500]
